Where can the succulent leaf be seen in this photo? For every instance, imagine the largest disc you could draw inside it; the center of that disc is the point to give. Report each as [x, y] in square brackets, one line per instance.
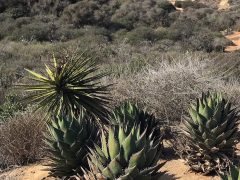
[113, 144]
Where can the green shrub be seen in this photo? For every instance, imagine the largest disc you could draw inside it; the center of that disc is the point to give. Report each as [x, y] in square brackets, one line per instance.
[34, 31]
[90, 12]
[19, 11]
[202, 13]
[120, 35]
[220, 43]
[55, 7]
[189, 4]
[220, 21]
[141, 34]
[205, 40]
[181, 29]
[80, 13]
[165, 44]
[19, 22]
[67, 33]
[166, 5]
[162, 32]
[10, 107]
[149, 13]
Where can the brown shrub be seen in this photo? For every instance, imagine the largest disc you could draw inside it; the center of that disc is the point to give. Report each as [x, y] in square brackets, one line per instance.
[21, 139]
[167, 87]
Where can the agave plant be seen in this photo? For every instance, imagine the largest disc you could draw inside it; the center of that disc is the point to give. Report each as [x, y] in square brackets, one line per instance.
[234, 174]
[70, 87]
[68, 142]
[130, 114]
[91, 174]
[127, 156]
[211, 133]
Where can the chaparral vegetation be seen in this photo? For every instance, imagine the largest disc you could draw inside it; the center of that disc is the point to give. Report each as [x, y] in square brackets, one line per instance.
[110, 89]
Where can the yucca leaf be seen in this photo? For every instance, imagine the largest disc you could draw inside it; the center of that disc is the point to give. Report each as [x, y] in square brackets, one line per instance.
[70, 87]
[50, 73]
[38, 76]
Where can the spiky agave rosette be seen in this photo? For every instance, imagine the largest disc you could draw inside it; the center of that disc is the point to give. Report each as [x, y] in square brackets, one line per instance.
[69, 87]
[67, 142]
[210, 134]
[127, 156]
[129, 114]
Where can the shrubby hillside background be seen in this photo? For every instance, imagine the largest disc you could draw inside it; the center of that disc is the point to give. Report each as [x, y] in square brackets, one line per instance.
[127, 37]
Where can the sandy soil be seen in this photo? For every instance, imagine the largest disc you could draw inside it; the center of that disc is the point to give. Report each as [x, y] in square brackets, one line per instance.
[218, 4]
[31, 172]
[175, 169]
[173, 2]
[235, 38]
[223, 5]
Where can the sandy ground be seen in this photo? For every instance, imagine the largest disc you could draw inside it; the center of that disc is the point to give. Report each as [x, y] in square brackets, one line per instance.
[31, 172]
[173, 2]
[235, 38]
[175, 169]
[220, 4]
[223, 5]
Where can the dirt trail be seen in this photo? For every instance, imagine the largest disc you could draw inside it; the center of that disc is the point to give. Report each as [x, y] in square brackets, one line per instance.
[223, 5]
[173, 2]
[235, 38]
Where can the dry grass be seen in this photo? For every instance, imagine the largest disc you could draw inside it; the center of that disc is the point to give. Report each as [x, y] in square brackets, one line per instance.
[21, 139]
[167, 87]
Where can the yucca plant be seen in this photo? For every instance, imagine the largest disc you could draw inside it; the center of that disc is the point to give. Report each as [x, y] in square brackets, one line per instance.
[127, 156]
[234, 174]
[69, 87]
[68, 142]
[211, 133]
[129, 114]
